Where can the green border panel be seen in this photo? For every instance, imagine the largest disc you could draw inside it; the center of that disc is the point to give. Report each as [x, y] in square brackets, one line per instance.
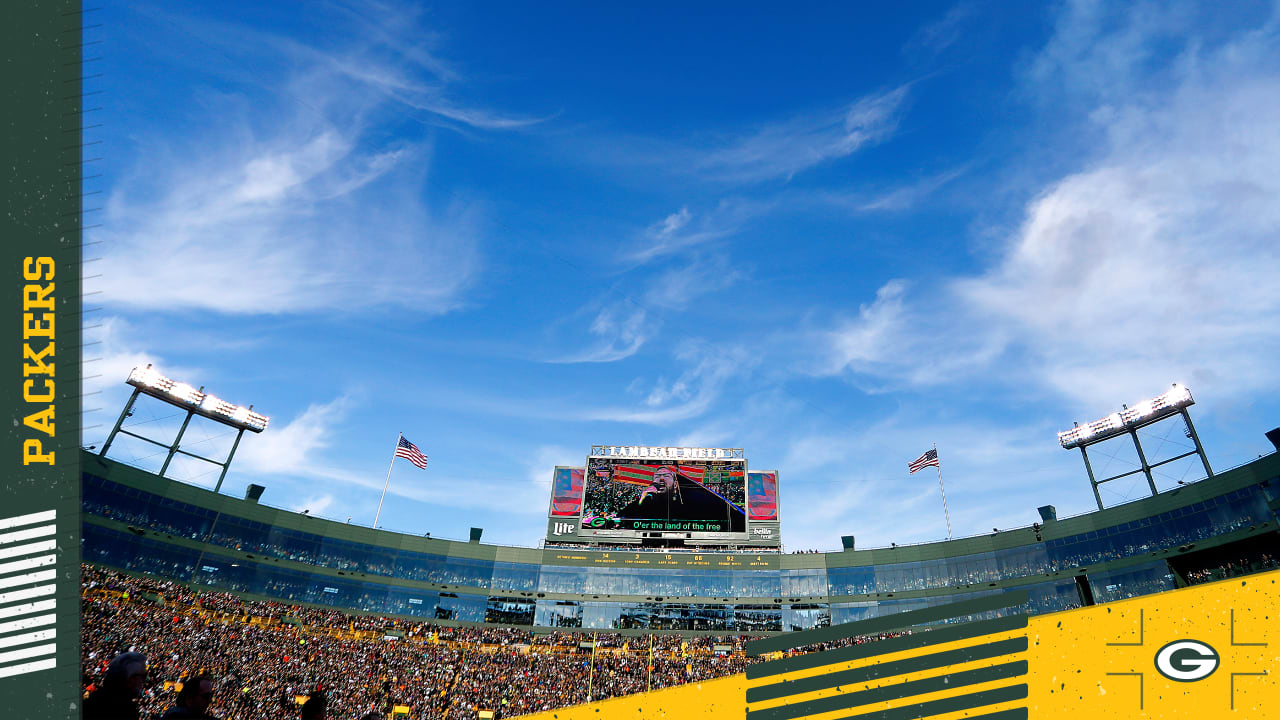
[41, 343]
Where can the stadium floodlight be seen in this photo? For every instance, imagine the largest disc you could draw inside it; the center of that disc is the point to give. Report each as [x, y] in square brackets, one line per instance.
[1126, 422]
[1118, 423]
[151, 382]
[195, 401]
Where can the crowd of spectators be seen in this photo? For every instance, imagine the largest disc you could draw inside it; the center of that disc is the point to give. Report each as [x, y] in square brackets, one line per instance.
[261, 657]
[1220, 516]
[1232, 568]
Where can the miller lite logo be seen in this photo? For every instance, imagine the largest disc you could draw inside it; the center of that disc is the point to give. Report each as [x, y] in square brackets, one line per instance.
[563, 528]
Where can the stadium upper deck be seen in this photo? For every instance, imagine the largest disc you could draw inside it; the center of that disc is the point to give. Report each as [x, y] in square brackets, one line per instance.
[142, 523]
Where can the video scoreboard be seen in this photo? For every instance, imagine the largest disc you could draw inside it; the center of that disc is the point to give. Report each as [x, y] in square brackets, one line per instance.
[663, 496]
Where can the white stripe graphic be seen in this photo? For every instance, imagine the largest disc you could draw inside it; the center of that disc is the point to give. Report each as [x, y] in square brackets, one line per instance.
[20, 535]
[27, 609]
[28, 564]
[32, 519]
[26, 594]
[25, 653]
[30, 667]
[26, 623]
[30, 637]
[28, 549]
[34, 577]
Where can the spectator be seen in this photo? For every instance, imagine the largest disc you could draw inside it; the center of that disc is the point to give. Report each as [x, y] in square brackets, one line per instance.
[193, 700]
[315, 706]
[121, 686]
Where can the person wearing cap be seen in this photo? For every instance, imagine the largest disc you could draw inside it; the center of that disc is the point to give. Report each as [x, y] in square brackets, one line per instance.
[121, 686]
[193, 700]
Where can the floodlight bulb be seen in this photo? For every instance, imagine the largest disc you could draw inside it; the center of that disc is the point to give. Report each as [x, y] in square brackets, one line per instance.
[149, 376]
[211, 403]
[240, 414]
[183, 391]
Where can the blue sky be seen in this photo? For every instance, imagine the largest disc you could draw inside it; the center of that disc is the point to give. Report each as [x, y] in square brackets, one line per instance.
[832, 236]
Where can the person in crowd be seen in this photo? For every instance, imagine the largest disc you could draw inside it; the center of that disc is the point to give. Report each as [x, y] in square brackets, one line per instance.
[121, 686]
[315, 706]
[193, 700]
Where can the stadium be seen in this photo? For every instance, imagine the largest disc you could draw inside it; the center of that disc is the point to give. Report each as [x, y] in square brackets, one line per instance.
[658, 564]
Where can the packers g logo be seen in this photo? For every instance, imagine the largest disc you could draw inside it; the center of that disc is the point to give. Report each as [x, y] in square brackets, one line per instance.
[1187, 660]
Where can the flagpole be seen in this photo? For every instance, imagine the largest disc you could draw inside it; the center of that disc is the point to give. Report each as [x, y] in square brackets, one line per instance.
[591, 671]
[388, 482]
[945, 511]
[648, 684]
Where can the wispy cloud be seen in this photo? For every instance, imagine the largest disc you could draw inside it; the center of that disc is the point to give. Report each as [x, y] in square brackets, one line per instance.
[686, 231]
[689, 395]
[430, 97]
[894, 199]
[294, 445]
[932, 39]
[674, 266]
[1149, 265]
[619, 331]
[281, 227]
[678, 286]
[854, 479]
[296, 201]
[117, 347]
[671, 235]
[784, 149]
[316, 505]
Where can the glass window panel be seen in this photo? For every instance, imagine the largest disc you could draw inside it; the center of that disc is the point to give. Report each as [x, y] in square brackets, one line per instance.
[461, 607]
[558, 614]
[509, 611]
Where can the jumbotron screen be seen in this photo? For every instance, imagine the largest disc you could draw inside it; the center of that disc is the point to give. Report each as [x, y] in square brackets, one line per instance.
[699, 496]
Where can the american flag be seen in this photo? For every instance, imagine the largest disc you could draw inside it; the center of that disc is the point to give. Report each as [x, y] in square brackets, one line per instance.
[410, 452]
[929, 459]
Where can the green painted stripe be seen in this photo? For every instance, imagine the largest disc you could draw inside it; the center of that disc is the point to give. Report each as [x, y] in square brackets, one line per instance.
[949, 633]
[896, 621]
[884, 670]
[896, 691]
[948, 705]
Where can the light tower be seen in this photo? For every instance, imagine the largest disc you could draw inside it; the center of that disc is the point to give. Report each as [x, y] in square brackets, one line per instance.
[195, 402]
[1128, 421]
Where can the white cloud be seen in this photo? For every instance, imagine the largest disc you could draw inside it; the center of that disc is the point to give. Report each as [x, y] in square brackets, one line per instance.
[855, 481]
[1151, 264]
[782, 150]
[676, 287]
[1155, 264]
[503, 496]
[689, 395]
[937, 36]
[896, 199]
[621, 329]
[119, 349]
[286, 224]
[118, 354]
[685, 231]
[316, 505]
[291, 448]
[294, 200]
[428, 97]
[877, 334]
